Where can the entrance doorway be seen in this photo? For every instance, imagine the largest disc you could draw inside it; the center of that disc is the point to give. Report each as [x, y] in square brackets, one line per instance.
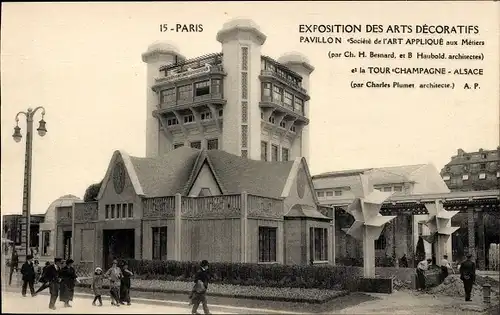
[118, 244]
[67, 244]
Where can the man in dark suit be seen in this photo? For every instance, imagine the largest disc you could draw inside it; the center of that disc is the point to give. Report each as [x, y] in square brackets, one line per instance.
[14, 263]
[53, 278]
[43, 280]
[200, 289]
[29, 275]
[468, 275]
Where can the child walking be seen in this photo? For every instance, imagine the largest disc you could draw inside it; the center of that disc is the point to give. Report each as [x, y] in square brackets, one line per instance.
[97, 286]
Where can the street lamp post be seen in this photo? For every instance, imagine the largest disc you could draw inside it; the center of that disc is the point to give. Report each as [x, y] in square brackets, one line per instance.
[26, 214]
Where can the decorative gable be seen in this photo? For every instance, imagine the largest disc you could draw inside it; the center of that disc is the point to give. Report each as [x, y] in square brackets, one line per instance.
[299, 188]
[205, 181]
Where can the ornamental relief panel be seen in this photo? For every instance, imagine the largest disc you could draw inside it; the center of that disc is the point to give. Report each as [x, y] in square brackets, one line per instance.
[260, 207]
[158, 207]
[64, 216]
[213, 207]
[86, 212]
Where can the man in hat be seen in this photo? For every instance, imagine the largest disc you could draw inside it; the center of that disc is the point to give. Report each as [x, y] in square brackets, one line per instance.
[198, 295]
[468, 275]
[53, 278]
[29, 275]
[67, 286]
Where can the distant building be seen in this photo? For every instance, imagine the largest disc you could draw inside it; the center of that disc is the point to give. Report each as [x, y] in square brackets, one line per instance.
[400, 236]
[12, 228]
[473, 171]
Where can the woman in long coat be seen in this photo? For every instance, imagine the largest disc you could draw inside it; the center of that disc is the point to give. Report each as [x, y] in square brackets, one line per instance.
[68, 278]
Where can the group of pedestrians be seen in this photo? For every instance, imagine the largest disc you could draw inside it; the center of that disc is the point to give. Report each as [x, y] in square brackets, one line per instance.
[119, 284]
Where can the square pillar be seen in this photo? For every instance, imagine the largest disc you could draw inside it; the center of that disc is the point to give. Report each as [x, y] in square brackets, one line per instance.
[177, 227]
[368, 254]
[471, 232]
[244, 228]
[481, 250]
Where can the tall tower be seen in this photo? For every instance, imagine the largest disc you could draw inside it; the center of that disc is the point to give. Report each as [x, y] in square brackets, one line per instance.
[241, 41]
[300, 64]
[158, 54]
[237, 100]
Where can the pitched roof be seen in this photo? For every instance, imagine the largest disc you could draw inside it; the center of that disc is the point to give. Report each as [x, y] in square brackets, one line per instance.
[377, 176]
[176, 171]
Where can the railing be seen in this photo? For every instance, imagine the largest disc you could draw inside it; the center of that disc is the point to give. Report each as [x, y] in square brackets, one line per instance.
[206, 69]
[284, 79]
[158, 207]
[264, 207]
[191, 99]
[293, 108]
[224, 206]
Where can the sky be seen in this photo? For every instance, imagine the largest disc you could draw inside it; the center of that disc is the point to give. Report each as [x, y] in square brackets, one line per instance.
[82, 62]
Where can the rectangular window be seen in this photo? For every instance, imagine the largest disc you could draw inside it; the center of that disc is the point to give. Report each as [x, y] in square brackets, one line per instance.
[188, 119]
[465, 177]
[267, 244]
[221, 112]
[277, 94]
[206, 115]
[387, 189]
[482, 175]
[446, 177]
[159, 243]
[292, 128]
[118, 211]
[113, 212]
[274, 152]
[107, 214]
[184, 93]
[289, 99]
[202, 88]
[266, 91]
[167, 96]
[282, 124]
[498, 174]
[130, 210]
[398, 188]
[329, 193]
[318, 240]
[338, 193]
[263, 151]
[284, 154]
[124, 211]
[213, 144]
[482, 166]
[271, 119]
[172, 121]
[178, 145]
[298, 105]
[320, 194]
[196, 145]
[216, 86]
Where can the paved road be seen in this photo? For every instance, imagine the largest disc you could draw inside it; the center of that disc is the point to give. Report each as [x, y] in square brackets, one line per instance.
[15, 303]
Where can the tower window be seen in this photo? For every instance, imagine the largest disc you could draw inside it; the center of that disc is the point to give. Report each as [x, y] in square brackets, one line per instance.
[274, 153]
[202, 88]
[271, 119]
[266, 90]
[196, 145]
[263, 151]
[299, 106]
[289, 99]
[282, 124]
[216, 86]
[277, 94]
[172, 121]
[206, 116]
[482, 166]
[188, 119]
[284, 154]
[213, 144]
[178, 145]
[221, 112]
[167, 96]
[184, 92]
[292, 128]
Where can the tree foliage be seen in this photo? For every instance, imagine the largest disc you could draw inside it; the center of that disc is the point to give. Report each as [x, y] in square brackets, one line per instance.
[92, 192]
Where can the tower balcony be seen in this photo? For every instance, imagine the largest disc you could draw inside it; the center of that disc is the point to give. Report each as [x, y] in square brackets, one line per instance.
[189, 76]
[273, 76]
[289, 112]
